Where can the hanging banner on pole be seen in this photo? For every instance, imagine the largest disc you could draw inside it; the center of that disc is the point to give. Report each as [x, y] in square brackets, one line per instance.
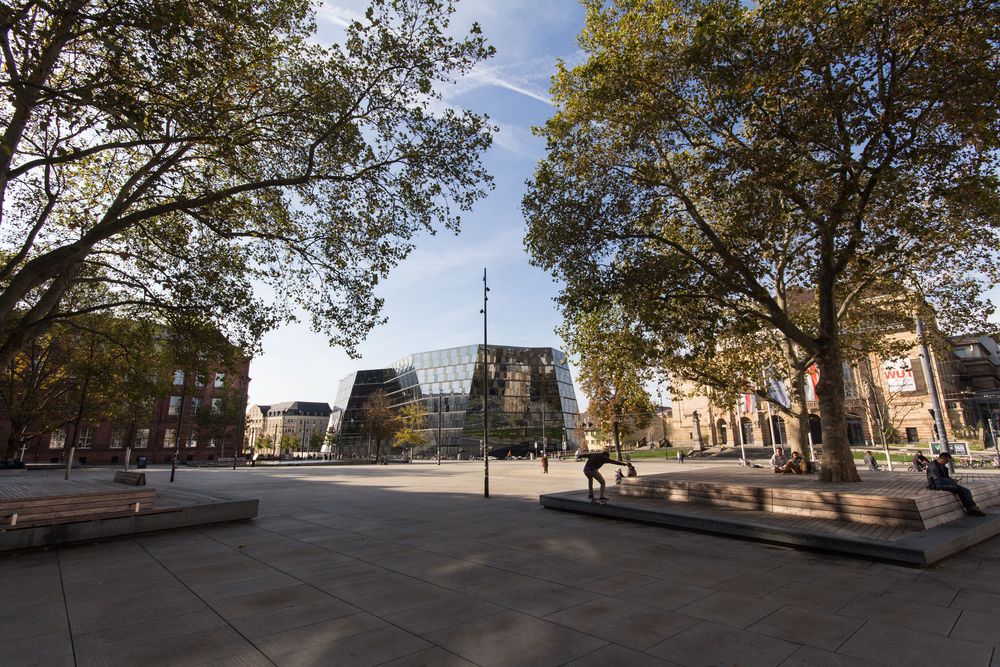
[899, 375]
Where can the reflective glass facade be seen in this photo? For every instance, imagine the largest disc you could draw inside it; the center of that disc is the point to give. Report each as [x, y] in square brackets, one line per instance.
[530, 397]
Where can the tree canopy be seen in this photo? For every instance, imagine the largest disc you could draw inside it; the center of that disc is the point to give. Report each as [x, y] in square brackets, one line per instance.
[719, 169]
[612, 369]
[168, 157]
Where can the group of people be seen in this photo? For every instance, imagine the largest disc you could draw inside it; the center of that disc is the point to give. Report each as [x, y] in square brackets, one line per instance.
[781, 464]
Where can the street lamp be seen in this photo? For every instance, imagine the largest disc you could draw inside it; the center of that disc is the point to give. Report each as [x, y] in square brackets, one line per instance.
[486, 396]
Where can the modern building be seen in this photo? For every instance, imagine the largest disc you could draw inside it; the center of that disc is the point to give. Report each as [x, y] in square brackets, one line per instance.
[530, 401]
[293, 427]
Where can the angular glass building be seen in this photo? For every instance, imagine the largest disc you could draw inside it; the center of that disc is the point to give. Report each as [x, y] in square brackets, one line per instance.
[531, 401]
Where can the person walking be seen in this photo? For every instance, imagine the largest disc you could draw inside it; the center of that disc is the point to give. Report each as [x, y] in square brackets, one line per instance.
[938, 479]
[870, 461]
[592, 471]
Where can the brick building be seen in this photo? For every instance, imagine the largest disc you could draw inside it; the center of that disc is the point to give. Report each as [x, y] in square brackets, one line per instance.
[203, 412]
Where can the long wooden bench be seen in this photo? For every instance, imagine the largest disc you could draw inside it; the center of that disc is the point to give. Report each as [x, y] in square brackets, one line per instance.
[899, 502]
[130, 477]
[45, 510]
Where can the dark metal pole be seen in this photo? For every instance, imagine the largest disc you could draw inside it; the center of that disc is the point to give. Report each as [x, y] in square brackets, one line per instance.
[439, 428]
[544, 441]
[180, 423]
[486, 398]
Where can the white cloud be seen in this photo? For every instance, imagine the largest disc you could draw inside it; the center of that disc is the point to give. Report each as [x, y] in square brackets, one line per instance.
[518, 140]
[337, 14]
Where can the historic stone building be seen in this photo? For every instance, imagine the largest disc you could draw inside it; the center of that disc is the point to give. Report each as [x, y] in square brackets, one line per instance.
[888, 396]
[293, 427]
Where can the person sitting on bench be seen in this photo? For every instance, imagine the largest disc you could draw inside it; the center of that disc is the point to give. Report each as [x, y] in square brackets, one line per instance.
[938, 479]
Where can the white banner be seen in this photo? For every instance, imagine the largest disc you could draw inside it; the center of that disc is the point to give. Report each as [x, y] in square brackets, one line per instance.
[899, 375]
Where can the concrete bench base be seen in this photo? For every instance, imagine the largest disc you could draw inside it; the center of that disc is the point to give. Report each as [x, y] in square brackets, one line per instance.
[882, 498]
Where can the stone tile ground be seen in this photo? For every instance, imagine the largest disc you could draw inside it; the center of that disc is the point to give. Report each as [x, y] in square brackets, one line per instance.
[410, 565]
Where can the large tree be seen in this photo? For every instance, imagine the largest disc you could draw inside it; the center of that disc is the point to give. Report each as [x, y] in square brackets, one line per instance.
[612, 370]
[165, 157]
[381, 422]
[802, 167]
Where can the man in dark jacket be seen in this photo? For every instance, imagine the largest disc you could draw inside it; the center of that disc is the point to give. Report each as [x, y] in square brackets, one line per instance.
[592, 470]
[937, 478]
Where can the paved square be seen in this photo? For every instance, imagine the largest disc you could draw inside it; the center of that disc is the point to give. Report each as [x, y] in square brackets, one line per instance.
[410, 565]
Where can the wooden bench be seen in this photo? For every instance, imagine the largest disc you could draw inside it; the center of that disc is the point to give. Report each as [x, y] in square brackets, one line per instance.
[899, 500]
[130, 477]
[46, 510]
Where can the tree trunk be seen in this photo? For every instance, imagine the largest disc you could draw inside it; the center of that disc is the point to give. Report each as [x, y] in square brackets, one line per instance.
[618, 444]
[838, 461]
[798, 425]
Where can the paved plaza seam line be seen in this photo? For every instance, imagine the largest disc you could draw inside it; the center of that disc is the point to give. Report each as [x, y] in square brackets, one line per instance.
[62, 586]
[203, 601]
[327, 593]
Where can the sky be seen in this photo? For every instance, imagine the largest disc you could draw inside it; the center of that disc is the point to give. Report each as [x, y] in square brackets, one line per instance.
[433, 298]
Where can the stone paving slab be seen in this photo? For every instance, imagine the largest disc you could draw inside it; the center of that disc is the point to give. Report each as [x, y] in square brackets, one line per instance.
[456, 579]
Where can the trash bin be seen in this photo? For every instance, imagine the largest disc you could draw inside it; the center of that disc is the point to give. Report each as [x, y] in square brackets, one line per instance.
[140, 462]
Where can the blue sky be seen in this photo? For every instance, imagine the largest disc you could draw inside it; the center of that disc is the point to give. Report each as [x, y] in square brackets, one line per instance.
[432, 300]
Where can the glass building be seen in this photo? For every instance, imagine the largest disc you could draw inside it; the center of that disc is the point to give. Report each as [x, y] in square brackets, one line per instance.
[531, 401]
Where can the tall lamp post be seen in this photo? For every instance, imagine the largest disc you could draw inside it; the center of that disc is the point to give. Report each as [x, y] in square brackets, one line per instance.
[486, 397]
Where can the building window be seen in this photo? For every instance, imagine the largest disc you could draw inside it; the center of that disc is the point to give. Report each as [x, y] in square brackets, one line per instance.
[216, 406]
[911, 434]
[855, 433]
[175, 406]
[211, 441]
[199, 379]
[195, 404]
[141, 438]
[117, 438]
[169, 438]
[220, 379]
[178, 377]
[86, 438]
[192, 440]
[57, 439]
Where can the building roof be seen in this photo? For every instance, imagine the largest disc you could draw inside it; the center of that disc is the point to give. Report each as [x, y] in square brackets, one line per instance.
[299, 407]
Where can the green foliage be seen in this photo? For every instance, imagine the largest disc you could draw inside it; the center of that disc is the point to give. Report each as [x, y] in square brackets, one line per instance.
[412, 421]
[163, 158]
[612, 371]
[289, 442]
[733, 177]
[316, 441]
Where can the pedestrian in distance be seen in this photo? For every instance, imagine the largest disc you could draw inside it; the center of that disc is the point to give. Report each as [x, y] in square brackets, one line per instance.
[870, 461]
[545, 464]
[592, 470]
[680, 456]
[939, 480]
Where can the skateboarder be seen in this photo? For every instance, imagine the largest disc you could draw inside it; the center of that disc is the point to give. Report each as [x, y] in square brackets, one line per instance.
[592, 470]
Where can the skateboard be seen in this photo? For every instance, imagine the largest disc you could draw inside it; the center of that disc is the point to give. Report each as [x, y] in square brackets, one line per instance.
[599, 501]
